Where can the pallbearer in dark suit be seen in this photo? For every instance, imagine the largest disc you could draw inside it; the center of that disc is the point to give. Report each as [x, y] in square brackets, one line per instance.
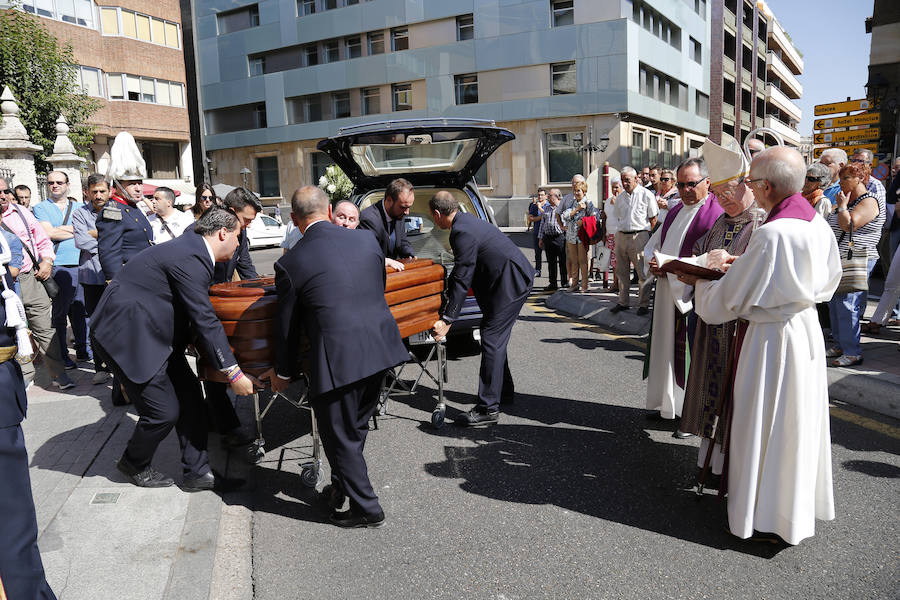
[143, 323]
[385, 219]
[21, 569]
[331, 284]
[501, 277]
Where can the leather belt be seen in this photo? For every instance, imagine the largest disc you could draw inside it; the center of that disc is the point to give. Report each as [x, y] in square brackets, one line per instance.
[7, 352]
[633, 232]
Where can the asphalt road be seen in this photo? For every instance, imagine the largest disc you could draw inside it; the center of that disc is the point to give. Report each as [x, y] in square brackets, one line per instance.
[573, 495]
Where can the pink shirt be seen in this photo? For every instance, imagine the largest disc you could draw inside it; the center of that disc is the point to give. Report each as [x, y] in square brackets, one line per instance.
[42, 246]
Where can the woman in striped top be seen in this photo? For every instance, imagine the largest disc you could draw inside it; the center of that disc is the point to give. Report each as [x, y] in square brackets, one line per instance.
[866, 213]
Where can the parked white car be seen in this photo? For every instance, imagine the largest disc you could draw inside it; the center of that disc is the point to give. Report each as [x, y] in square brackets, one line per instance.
[265, 231]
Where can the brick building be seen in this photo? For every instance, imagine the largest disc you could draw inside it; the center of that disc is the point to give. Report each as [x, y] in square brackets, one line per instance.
[130, 56]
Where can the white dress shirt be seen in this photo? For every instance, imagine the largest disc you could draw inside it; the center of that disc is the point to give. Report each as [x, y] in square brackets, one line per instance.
[633, 211]
[177, 222]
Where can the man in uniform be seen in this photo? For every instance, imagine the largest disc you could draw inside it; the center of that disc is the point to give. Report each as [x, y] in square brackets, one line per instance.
[385, 220]
[145, 349]
[331, 284]
[501, 277]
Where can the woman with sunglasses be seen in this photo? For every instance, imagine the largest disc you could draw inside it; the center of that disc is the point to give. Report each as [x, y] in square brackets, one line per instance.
[205, 197]
[818, 177]
[666, 195]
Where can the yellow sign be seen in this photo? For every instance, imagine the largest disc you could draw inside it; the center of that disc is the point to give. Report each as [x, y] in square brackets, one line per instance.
[842, 107]
[850, 150]
[871, 133]
[863, 119]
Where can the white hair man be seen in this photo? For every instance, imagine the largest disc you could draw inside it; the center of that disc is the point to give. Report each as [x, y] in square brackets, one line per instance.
[834, 159]
[780, 397]
[635, 212]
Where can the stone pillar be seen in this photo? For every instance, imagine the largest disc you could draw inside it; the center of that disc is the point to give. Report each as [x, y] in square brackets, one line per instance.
[16, 150]
[65, 159]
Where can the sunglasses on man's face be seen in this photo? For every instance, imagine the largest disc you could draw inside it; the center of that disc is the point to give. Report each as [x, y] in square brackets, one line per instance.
[813, 179]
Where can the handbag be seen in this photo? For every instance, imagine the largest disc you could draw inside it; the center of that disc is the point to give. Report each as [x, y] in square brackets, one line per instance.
[854, 269]
[50, 285]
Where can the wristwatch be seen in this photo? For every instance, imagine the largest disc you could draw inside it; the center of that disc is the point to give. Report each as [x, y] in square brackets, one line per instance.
[841, 209]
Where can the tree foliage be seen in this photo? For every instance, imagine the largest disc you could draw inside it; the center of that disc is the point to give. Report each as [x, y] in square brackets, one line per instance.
[40, 73]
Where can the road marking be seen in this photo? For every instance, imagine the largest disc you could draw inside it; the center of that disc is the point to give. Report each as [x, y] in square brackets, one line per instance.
[866, 422]
[537, 305]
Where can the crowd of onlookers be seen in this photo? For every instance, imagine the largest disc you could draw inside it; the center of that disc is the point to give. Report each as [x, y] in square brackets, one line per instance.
[840, 188]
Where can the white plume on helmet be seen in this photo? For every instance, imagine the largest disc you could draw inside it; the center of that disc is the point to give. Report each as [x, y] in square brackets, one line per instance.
[125, 160]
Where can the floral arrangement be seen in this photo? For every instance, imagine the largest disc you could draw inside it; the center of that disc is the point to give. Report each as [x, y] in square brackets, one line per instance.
[336, 184]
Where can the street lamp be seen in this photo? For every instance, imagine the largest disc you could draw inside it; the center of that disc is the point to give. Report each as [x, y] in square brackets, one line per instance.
[245, 177]
[590, 147]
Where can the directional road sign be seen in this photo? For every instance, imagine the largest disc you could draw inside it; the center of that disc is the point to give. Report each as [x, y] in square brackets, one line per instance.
[850, 150]
[841, 107]
[871, 133]
[863, 119]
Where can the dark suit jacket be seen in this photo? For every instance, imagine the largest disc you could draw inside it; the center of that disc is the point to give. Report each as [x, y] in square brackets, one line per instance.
[148, 310]
[331, 284]
[13, 400]
[122, 232]
[488, 262]
[240, 260]
[375, 220]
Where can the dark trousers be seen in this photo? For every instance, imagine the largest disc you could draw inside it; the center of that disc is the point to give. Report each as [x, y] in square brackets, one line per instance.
[343, 419]
[69, 303]
[555, 247]
[495, 383]
[538, 252]
[172, 398]
[21, 568]
[221, 410]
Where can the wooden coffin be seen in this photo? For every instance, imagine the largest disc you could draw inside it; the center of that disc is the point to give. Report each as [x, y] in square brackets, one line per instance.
[247, 310]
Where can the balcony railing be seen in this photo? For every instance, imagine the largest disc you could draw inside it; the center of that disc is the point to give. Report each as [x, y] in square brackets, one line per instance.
[777, 33]
[728, 66]
[730, 19]
[728, 113]
[791, 136]
[780, 99]
[774, 64]
[745, 119]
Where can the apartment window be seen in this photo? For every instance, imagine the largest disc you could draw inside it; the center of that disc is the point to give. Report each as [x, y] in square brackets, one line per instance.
[319, 161]
[656, 24]
[465, 27]
[332, 51]
[148, 90]
[668, 158]
[306, 7]
[310, 55]
[77, 12]
[564, 157]
[329, 4]
[562, 78]
[402, 93]
[123, 86]
[660, 86]
[340, 105]
[89, 81]
[236, 20]
[399, 39]
[466, 87]
[562, 12]
[371, 101]
[233, 118]
[307, 109]
[257, 65]
[353, 47]
[267, 176]
[653, 157]
[145, 28]
[700, 7]
[259, 116]
[702, 105]
[637, 148]
[376, 42]
[696, 51]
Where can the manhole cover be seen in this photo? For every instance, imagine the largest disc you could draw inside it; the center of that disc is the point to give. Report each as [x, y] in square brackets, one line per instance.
[106, 498]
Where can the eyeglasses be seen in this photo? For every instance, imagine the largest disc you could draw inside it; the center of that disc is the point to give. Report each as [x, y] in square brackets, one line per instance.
[7, 191]
[665, 179]
[206, 197]
[748, 181]
[689, 184]
[858, 160]
[813, 179]
[56, 183]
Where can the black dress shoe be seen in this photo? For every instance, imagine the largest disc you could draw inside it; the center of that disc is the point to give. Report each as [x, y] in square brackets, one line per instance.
[148, 478]
[475, 417]
[236, 438]
[208, 481]
[618, 308]
[642, 311]
[551, 288]
[681, 435]
[351, 520]
[333, 496]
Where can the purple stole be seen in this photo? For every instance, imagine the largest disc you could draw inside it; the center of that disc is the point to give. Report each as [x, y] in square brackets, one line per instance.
[792, 207]
[701, 224]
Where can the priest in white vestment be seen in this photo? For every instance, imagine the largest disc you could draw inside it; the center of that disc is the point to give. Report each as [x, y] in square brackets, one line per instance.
[779, 455]
[684, 225]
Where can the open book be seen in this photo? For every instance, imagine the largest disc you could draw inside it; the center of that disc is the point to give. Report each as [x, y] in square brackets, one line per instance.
[689, 265]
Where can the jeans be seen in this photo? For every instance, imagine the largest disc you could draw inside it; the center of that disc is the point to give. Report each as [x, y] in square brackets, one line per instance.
[538, 252]
[69, 303]
[845, 311]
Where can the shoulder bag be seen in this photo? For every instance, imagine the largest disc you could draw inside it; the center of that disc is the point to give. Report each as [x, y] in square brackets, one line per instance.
[855, 272]
[49, 284]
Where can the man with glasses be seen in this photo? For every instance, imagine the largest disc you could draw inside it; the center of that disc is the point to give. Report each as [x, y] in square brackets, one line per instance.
[636, 213]
[38, 308]
[834, 159]
[55, 216]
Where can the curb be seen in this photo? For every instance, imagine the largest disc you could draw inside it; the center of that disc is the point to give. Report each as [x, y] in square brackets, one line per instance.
[598, 310]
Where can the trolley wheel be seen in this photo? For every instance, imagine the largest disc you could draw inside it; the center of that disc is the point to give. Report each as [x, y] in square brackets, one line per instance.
[309, 476]
[382, 407]
[258, 453]
[437, 418]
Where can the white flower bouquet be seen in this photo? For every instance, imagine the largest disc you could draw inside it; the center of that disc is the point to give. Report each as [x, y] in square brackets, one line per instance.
[336, 184]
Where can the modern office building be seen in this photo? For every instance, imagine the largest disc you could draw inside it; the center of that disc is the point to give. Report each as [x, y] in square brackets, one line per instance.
[753, 72]
[130, 56]
[277, 76]
[884, 73]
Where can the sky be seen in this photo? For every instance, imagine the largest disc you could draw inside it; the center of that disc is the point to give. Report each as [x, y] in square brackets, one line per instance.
[831, 36]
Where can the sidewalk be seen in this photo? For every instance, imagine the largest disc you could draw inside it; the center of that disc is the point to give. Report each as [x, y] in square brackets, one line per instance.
[101, 537]
[874, 385]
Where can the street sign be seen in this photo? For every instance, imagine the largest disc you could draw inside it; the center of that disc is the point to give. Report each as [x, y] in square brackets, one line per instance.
[842, 107]
[870, 133]
[863, 119]
[880, 172]
[817, 152]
